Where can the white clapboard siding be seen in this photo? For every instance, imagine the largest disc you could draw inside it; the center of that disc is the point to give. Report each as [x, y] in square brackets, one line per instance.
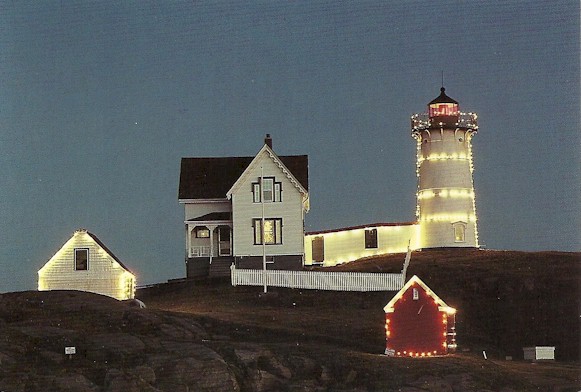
[345, 245]
[104, 275]
[318, 280]
[290, 210]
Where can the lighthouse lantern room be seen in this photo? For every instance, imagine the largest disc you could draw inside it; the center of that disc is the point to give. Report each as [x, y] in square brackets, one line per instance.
[445, 209]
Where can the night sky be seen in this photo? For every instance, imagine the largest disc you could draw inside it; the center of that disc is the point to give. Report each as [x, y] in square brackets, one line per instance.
[100, 100]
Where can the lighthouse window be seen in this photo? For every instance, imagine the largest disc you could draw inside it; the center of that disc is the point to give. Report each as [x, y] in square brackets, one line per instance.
[459, 232]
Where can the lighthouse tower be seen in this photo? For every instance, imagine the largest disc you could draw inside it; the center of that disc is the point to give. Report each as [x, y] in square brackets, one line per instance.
[446, 209]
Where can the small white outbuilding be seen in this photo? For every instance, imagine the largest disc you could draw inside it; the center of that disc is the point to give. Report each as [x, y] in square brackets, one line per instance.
[539, 353]
[84, 263]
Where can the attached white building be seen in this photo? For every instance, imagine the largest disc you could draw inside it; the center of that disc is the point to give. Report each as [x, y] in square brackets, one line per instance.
[225, 200]
[84, 263]
[332, 247]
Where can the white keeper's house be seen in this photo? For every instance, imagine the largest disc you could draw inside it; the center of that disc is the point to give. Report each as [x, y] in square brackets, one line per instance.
[84, 263]
[226, 200]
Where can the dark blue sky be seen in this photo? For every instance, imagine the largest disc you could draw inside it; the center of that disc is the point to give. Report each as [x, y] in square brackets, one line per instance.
[100, 100]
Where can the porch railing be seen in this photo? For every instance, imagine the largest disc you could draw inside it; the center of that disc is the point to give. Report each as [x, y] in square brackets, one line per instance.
[200, 251]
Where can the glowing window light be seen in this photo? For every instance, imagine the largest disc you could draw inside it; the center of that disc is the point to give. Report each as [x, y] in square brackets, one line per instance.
[452, 218]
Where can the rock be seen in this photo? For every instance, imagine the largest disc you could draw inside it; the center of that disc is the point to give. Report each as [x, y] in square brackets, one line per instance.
[74, 382]
[144, 373]
[265, 381]
[118, 381]
[5, 359]
[197, 374]
[258, 358]
[432, 384]
[113, 347]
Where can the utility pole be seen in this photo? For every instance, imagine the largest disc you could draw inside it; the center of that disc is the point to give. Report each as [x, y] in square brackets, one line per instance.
[262, 231]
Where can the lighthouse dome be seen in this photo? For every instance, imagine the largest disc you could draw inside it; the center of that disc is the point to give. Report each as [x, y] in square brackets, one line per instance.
[443, 106]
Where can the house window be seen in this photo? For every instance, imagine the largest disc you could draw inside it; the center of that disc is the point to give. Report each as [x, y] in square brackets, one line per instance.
[256, 192]
[202, 232]
[272, 191]
[370, 238]
[272, 231]
[415, 294]
[267, 191]
[459, 232]
[81, 259]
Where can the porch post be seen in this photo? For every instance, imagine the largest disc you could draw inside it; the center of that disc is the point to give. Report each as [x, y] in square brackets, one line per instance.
[231, 242]
[211, 230]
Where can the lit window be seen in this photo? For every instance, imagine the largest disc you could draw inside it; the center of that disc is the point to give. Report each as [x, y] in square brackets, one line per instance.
[415, 294]
[272, 231]
[81, 259]
[202, 232]
[370, 238]
[459, 231]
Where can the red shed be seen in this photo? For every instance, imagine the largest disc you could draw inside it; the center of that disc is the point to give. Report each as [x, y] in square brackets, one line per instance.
[418, 323]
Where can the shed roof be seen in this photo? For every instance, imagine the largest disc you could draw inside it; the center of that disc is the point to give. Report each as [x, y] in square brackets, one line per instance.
[212, 178]
[415, 279]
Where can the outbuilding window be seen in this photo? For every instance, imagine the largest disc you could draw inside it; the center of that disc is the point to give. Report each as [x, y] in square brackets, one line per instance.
[370, 238]
[318, 249]
[81, 259]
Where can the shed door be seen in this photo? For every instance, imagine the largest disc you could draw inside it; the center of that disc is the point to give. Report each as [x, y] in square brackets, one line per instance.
[318, 249]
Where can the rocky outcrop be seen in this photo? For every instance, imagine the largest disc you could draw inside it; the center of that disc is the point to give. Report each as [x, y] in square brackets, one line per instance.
[123, 348]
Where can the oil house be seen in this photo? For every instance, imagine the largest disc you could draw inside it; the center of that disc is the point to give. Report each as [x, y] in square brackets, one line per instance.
[84, 263]
[418, 323]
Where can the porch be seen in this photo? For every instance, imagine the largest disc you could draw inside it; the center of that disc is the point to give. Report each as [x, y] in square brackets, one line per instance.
[209, 237]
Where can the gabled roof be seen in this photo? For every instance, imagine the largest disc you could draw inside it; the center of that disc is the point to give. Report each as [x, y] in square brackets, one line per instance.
[283, 167]
[389, 308]
[102, 245]
[97, 241]
[212, 178]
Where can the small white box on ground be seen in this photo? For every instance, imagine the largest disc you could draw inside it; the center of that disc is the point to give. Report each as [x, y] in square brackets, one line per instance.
[539, 353]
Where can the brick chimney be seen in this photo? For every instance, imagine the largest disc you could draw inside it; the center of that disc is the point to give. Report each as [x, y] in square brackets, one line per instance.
[268, 140]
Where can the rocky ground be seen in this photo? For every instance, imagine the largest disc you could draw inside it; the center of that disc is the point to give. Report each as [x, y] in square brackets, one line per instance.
[209, 336]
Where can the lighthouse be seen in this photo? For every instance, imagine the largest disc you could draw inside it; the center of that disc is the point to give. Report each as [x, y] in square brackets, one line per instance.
[446, 207]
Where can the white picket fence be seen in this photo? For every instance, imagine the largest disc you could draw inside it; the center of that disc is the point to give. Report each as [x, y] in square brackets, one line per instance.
[318, 280]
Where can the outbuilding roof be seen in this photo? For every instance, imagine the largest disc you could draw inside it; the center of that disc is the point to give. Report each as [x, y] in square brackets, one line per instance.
[416, 280]
[104, 247]
[212, 178]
